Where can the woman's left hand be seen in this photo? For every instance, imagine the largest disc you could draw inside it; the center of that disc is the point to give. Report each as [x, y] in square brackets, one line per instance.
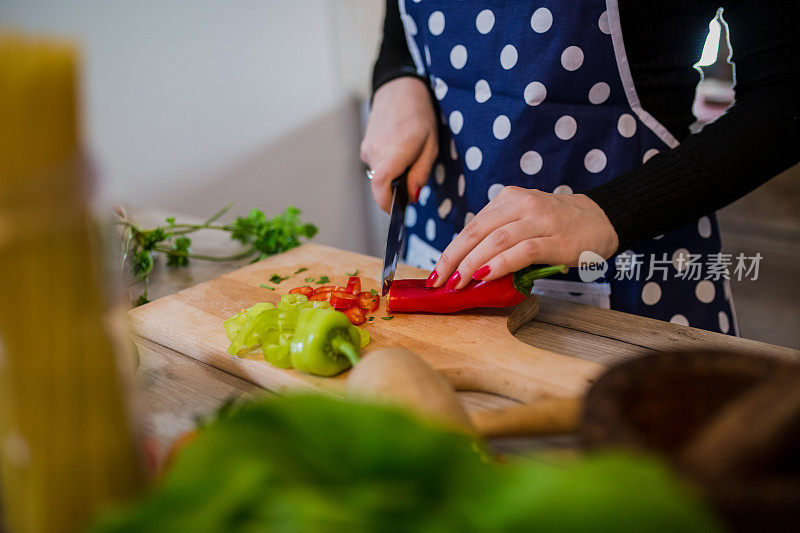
[521, 227]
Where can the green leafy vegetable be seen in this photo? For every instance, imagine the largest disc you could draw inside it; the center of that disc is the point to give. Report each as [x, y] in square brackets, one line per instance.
[313, 463]
[309, 280]
[371, 318]
[323, 280]
[261, 236]
[373, 292]
[266, 286]
[387, 317]
[276, 278]
[299, 270]
[351, 273]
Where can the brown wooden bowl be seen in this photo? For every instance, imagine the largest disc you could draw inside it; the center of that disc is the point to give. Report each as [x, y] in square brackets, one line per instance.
[660, 402]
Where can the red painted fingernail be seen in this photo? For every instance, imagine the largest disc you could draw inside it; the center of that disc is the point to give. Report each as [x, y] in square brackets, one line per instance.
[482, 272]
[453, 281]
[432, 279]
[416, 199]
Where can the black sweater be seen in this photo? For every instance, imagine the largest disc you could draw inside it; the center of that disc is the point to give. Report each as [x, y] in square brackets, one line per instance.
[757, 138]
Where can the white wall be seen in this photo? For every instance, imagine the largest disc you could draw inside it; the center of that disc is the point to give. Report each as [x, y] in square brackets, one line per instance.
[180, 90]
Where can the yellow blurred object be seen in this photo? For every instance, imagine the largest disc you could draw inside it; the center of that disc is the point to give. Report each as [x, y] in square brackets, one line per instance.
[66, 442]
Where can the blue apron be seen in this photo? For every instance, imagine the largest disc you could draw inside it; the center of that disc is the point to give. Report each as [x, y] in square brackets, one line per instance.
[540, 95]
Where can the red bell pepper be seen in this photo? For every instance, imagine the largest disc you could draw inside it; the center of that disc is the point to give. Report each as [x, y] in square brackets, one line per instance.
[411, 295]
[343, 300]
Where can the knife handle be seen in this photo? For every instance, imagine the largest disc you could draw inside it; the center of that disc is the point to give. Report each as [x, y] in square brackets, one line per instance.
[400, 185]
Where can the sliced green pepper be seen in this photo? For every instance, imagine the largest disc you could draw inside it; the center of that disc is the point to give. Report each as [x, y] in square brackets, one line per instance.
[325, 342]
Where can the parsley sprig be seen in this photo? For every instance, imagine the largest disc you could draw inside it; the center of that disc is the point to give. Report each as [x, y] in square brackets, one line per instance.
[261, 236]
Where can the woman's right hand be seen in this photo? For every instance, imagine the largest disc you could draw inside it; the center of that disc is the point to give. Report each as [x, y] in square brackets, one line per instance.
[401, 133]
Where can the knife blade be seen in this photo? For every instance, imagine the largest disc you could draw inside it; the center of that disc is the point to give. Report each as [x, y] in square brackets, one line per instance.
[397, 230]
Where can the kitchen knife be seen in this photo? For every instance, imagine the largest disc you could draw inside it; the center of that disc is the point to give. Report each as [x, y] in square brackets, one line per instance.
[397, 230]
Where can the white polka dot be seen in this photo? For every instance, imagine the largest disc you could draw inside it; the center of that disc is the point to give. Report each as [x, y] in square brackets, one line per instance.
[541, 20]
[658, 237]
[626, 125]
[595, 160]
[651, 293]
[438, 174]
[679, 319]
[462, 185]
[494, 190]
[409, 24]
[427, 55]
[724, 322]
[485, 21]
[482, 91]
[424, 194]
[468, 217]
[566, 127]
[453, 151]
[605, 27]
[572, 58]
[411, 216]
[562, 189]
[535, 93]
[680, 258]
[436, 23]
[456, 122]
[599, 92]
[445, 207]
[501, 127]
[705, 291]
[508, 56]
[430, 229]
[473, 157]
[439, 88]
[458, 56]
[648, 154]
[530, 162]
[704, 227]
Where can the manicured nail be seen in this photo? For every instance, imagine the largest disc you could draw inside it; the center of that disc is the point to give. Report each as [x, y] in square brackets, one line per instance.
[482, 272]
[416, 196]
[432, 279]
[453, 281]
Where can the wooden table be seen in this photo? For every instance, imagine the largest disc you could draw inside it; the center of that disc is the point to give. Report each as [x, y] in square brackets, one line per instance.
[175, 389]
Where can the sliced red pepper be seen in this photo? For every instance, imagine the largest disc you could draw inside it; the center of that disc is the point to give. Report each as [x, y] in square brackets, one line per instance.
[343, 300]
[308, 292]
[324, 288]
[356, 315]
[321, 297]
[354, 285]
[411, 295]
[368, 301]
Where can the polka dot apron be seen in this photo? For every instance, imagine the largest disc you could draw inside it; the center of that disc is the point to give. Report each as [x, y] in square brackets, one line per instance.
[539, 95]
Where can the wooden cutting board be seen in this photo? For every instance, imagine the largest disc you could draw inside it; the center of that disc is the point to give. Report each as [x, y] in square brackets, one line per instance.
[474, 349]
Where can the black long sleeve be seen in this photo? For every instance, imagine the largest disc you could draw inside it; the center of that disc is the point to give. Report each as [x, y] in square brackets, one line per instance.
[756, 139]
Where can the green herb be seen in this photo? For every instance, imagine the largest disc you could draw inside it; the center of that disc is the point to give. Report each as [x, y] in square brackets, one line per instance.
[387, 317]
[371, 318]
[275, 278]
[373, 292]
[261, 237]
[309, 280]
[266, 286]
[323, 280]
[352, 273]
[301, 269]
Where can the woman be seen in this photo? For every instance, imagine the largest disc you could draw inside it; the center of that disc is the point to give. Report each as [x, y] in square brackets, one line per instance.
[558, 136]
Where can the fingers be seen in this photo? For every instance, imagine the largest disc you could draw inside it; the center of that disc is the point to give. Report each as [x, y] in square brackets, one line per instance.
[486, 221]
[478, 263]
[387, 168]
[518, 256]
[420, 171]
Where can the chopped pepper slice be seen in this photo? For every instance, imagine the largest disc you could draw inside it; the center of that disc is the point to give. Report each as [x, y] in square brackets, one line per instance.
[354, 285]
[325, 342]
